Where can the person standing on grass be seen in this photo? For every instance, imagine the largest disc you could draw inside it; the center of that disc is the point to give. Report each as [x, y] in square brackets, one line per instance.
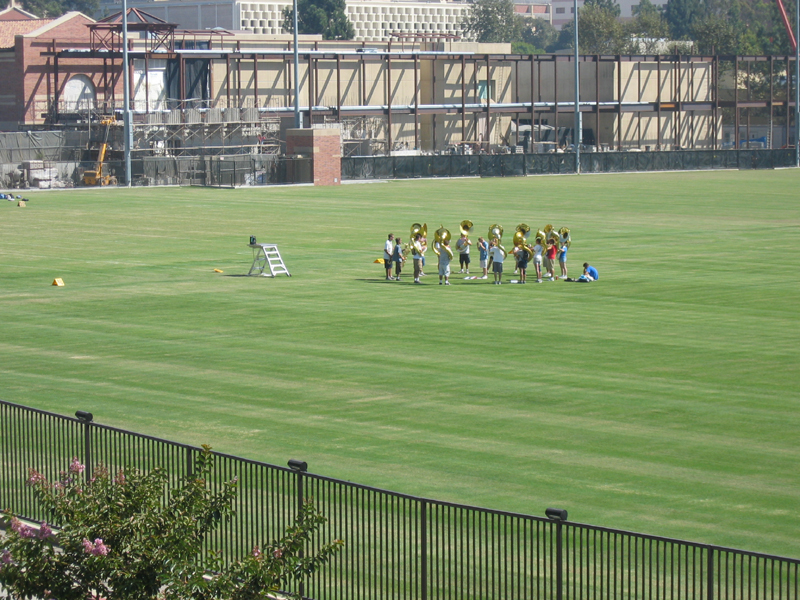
[388, 251]
[521, 255]
[398, 259]
[424, 242]
[496, 258]
[417, 258]
[550, 258]
[444, 262]
[462, 245]
[537, 259]
[483, 251]
[562, 260]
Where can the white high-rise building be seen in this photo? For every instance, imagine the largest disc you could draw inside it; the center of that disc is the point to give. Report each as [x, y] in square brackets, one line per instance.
[373, 20]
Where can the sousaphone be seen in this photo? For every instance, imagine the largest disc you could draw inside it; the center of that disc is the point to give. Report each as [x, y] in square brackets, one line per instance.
[421, 230]
[496, 233]
[440, 236]
[564, 237]
[524, 229]
[521, 242]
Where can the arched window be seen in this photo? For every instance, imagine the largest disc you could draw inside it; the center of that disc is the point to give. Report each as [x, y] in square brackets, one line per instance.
[78, 94]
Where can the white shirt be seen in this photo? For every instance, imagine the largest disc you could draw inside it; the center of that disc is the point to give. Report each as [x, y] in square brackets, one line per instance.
[388, 249]
[462, 246]
[496, 254]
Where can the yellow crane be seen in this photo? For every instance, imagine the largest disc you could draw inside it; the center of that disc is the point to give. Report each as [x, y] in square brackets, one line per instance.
[96, 176]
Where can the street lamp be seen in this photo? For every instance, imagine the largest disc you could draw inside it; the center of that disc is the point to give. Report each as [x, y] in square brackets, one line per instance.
[297, 119]
[126, 95]
[578, 125]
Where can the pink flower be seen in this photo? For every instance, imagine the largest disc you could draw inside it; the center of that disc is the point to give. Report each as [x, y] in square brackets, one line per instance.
[45, 531]
[35, 477]
[278, 553]
[100, 548]
[6, 558]
[256, 551]
[76, 467]
[96, 549]
[120, 478]
[23, 530]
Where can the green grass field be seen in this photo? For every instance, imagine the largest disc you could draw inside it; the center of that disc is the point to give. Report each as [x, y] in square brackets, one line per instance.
[662, 399]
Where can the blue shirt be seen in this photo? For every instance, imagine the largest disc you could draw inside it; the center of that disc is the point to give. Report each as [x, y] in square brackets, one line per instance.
[590, 270]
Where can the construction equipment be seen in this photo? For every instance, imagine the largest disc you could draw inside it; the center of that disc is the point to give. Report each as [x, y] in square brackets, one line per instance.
[96, 176]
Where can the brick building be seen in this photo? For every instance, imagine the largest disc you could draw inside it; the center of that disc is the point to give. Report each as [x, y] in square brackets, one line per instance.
[28, 76]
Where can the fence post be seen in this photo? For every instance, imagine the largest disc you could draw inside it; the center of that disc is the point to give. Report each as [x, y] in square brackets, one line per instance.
[710, 575]
[86, 419]
[558, 515]
[423, 544]
[299, 467]
[559, 561]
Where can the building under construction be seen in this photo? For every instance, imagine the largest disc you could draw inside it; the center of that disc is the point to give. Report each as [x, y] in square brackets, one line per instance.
[216, 93]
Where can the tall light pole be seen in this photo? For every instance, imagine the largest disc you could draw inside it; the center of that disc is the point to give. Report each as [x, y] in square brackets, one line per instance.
[797, 84]
[578, 125]
[126, 95]
[298, 122]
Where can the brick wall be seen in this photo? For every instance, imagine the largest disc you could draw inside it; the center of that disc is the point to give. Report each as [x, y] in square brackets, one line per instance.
[29, 80]
[324, 146]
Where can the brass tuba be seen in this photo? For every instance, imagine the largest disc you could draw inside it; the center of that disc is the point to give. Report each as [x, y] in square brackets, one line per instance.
[496, 233]
[552, 234]
[440, 236]
[521, 242]
[564, 237]
[466, 227]
[421, 230]
[524, 229]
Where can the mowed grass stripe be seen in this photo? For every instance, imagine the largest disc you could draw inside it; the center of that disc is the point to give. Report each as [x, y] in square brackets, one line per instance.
[663, 399]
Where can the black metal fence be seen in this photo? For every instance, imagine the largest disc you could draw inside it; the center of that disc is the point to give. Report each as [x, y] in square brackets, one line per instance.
[513, 165]
[403, 547]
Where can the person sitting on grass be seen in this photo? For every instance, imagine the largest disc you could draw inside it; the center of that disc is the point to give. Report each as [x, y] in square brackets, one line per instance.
[589, 274]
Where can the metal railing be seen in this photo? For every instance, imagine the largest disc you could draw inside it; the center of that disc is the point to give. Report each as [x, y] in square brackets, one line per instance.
[400, 546]
[513, 165]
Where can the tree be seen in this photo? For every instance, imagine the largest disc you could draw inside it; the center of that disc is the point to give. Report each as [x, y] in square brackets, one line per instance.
[539, 33]
[680, 15]
[326, 17]
[609, 5]
[715, 34]
[56, 8]
[646, 29]
[118, 538]
[600, 32]
[493, 21]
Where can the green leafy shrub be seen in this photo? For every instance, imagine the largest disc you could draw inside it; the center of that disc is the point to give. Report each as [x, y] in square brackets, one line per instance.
[119, 538]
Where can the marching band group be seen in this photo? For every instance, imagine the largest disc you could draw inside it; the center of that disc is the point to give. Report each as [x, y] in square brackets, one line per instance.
[550, 245]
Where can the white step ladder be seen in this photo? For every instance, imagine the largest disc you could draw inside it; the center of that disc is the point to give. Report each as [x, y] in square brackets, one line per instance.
[267, 255]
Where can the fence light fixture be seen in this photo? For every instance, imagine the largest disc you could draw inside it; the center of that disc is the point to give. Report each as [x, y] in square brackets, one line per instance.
[84, 416]
[299, 466]
[556, 514]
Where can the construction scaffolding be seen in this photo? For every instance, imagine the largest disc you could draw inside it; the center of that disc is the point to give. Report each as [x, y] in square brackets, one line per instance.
[201, 132]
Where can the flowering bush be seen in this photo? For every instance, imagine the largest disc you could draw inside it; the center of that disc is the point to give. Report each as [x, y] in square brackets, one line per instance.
[118, 538]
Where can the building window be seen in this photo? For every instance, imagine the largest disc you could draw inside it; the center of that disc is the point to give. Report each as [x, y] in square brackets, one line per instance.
[560, 10]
